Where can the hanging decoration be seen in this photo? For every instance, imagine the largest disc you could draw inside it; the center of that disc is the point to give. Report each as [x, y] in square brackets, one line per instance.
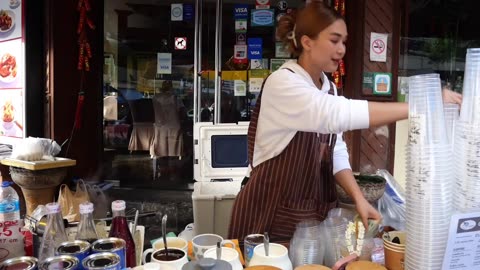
[339, 74]
[84, 54]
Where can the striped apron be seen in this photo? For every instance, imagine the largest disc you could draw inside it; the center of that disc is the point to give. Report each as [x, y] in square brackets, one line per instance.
[296, 185]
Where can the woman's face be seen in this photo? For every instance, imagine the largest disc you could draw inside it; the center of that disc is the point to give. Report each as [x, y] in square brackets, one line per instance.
[328, 48]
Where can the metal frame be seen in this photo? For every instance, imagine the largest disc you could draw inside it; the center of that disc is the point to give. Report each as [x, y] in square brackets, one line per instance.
[218, 63]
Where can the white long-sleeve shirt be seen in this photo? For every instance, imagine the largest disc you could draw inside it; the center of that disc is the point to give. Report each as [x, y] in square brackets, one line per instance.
[291, 102]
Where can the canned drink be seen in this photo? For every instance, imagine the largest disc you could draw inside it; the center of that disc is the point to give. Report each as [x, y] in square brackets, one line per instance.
[78, 249]
[113, 245]
[20, 263]
[63, 262]
[251, 241]
[104, 261]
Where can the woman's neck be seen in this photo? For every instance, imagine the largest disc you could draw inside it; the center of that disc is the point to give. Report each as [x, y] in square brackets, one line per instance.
[315, 73]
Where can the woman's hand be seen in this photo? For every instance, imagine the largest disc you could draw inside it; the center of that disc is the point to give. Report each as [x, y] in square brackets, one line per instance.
[366, 212]
[450, 96]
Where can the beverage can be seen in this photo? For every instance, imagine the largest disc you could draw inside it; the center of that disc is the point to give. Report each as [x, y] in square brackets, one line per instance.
[103, 261]
[24, 262]
[251, 241]
[113, 245]
[78, 248]
[63, 262]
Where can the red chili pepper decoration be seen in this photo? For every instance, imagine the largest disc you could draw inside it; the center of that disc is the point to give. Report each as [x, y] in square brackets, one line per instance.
[90, 24]
[337, 5]
[342, 67]
[89, 51]
[81, 57]
[87, 4]
[79, 5]
[79, 111]
[342, 8]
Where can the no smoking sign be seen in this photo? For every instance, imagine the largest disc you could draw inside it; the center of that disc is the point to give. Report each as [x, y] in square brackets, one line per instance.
[378, 47]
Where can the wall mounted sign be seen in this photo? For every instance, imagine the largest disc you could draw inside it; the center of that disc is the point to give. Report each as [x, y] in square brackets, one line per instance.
[241, 39]
[378, 47]
[282, 5]
[188, 12]
[259, 63]
[240, 54]
[281, 51]
[262, 4]
[240, 26]
[176, 12]
[12, 77]
[164, 63]
[240, 88]
[382, 84]
[262, 17]
[180, 43]
[277, 63]
[255, 49]
[240, 11]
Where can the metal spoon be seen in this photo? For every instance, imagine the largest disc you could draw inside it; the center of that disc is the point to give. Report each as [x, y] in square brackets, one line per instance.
[164, 232]
[266, 242]
[219, 250]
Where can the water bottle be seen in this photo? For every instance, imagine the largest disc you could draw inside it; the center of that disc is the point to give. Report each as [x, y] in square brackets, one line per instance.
[9, 203]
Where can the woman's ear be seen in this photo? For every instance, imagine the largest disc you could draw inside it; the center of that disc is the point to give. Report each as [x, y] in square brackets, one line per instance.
[306, 42]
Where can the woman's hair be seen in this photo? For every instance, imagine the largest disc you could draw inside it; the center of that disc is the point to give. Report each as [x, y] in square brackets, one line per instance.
[310, 21]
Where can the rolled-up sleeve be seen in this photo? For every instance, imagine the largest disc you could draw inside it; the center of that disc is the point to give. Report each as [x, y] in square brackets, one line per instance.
[340, 155]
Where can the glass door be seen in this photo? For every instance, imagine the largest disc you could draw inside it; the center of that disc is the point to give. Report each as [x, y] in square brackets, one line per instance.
[169, 64]
[238, 51]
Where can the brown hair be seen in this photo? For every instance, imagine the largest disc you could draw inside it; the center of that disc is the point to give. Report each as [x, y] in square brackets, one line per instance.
[310, 21]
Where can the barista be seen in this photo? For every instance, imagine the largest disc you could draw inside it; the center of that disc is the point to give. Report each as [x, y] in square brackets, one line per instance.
[295, 145]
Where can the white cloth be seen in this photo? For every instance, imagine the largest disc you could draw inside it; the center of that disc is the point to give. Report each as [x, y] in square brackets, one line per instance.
[291, 102]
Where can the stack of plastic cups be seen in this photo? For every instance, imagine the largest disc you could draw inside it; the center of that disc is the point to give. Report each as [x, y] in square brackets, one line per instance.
[451, 113]
[429, 177]
[307, 245]
[334, 234]
[467, 135]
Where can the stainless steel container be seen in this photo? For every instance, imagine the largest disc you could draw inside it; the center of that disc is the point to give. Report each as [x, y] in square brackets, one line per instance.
[102, 261]
[63, 262]
[20, 263]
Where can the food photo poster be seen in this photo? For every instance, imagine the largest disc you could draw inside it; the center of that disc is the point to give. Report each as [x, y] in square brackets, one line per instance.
[12, 72]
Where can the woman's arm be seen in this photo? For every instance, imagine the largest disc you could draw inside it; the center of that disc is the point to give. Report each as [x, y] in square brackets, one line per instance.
[382, 113]
[366, 211]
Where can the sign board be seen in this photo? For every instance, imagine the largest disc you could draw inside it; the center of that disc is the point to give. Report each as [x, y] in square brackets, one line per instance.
[241, 39]
[382, 84]
[277, 63]
[12, 78]
[240, 11]
[463, 245]
[281, 51]
[262, 17]
[378, 47]
[164, 63]
[241, 26]
[176, 12]
[255, 48]
[188, 12]
[262, 4]
[282, 5]
[180, 43]
[240, 54]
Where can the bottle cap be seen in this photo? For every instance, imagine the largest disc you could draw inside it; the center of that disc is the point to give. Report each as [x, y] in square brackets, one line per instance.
[6, 183]
[86, 208]
[53, 208]
[118, 205]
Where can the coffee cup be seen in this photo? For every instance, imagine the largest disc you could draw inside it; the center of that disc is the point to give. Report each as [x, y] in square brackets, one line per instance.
[204, 242]
[229, 255]
[175, 258]
[174, 242]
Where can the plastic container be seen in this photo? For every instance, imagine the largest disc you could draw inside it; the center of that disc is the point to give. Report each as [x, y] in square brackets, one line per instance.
[9, 203]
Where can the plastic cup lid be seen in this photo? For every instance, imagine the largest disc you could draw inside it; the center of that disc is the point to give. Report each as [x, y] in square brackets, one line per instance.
[53, 208]
[118, 205]
[86, 208]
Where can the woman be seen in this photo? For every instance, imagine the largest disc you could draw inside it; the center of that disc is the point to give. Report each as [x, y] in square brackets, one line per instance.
[295, 145]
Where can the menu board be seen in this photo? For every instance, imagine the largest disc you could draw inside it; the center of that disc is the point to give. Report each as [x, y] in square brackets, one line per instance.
[12, 71]
[463, 247]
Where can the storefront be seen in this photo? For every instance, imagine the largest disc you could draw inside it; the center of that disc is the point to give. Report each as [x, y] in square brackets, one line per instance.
[134, 36]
